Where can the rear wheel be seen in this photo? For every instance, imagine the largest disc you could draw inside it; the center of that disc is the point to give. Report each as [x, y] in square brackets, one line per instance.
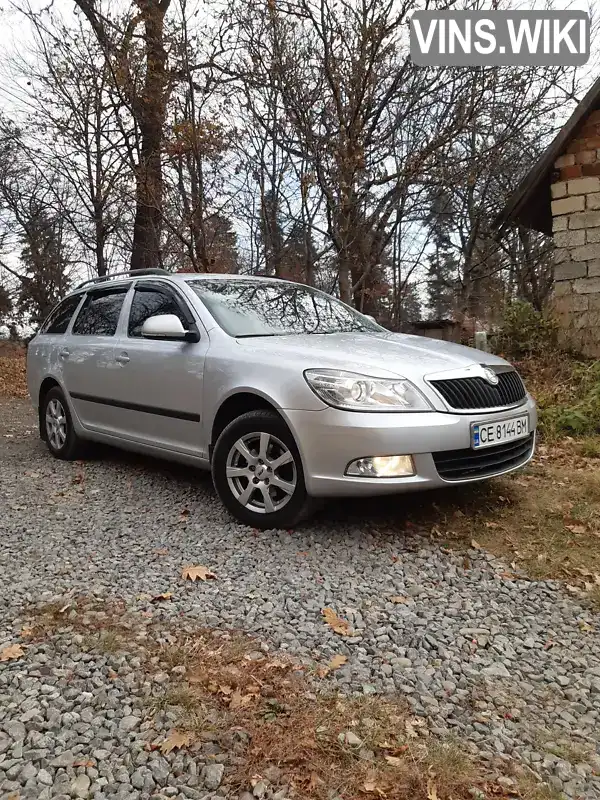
[258, 473]
[59, 433]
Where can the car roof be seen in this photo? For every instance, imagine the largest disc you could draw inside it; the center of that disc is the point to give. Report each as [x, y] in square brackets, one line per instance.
[177, 277]
[211, 276]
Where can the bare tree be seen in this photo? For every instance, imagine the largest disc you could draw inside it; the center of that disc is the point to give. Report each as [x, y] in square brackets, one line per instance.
[76, 128]
[31, 227]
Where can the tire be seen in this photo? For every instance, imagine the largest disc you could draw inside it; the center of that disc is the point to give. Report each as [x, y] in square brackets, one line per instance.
[266, 439]
[59, 434]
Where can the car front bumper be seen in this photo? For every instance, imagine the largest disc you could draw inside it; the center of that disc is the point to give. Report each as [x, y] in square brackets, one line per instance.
[330, 439]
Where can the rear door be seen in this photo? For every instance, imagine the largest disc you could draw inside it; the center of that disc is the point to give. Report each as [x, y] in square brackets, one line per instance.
[88, 353]
[159, 386]
[45, 354]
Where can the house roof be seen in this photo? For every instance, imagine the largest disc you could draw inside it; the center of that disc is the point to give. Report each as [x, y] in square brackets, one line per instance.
[529, 205]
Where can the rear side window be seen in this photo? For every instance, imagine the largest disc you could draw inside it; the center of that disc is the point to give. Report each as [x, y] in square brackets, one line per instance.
[59, 319]
[149, 301]
[99, 315]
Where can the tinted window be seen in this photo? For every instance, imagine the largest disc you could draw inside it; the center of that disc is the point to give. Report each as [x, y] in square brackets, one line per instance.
[275, 308]
[99, 314]
[59, 319]
[150, 301]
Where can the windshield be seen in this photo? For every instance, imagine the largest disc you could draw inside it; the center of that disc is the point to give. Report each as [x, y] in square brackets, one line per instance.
[273, 308]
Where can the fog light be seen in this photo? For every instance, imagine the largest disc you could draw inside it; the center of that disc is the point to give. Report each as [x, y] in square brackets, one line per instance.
[382, 467]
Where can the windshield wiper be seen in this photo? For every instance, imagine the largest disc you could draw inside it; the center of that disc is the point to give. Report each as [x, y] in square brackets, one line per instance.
[256, 335]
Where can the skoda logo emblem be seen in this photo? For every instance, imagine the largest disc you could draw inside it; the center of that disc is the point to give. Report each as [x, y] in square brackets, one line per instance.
[490, 376]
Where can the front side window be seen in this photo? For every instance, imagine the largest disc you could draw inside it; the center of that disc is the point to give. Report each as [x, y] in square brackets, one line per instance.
[59, 319]
[149, 301]
[275, 308]
[99, 315]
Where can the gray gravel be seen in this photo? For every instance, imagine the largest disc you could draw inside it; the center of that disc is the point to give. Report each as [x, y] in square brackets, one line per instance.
[511, 666]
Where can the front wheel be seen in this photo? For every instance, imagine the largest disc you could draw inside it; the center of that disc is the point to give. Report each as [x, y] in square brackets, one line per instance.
[258, 474]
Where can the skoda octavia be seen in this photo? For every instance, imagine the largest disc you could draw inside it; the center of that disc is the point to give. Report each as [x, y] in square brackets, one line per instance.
[286, 394]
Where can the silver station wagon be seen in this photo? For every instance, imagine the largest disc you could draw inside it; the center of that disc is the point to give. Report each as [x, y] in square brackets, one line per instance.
[285, 393]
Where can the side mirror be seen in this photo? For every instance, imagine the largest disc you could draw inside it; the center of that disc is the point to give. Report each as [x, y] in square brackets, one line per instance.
[167, 326]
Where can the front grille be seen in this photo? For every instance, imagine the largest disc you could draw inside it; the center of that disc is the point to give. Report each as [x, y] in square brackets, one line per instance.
[471, 393]
[460, 465]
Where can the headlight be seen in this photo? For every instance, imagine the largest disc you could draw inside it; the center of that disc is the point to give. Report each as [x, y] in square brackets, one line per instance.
[354, 392]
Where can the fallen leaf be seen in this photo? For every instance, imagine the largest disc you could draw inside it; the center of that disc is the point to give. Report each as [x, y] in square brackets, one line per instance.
[26, 631]
[276, 664]
[399, 598]
[239, 700]
[314, 781]
[192, 573]
[84, 763]
[161, 551]
[337, 661]
[394, 761]
[160, 597]
[337, 624]
[475, 544]
[584, 626]
[411, 724]
[576, 528]
[175, 741]
[431, 790]
[370, 786]
[11, 652]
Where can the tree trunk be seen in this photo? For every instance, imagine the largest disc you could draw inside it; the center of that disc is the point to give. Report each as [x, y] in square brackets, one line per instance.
[150, 112]
[100, 239]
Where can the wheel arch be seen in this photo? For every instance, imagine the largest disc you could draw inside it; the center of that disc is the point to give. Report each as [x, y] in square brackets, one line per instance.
[238, 403]
[234, 406]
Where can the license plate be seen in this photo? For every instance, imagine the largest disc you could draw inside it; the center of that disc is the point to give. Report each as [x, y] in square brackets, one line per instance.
[488, 434]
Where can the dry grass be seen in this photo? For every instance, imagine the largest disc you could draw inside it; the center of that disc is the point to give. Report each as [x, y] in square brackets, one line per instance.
[546, 519]
[13, 382]
[308, 738]
[265, 710]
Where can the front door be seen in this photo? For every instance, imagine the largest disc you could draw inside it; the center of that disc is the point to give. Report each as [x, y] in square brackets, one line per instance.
[159, 384]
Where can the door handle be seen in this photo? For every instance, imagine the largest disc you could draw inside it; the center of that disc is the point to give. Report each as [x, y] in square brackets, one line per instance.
[64, 354]
[123, 358]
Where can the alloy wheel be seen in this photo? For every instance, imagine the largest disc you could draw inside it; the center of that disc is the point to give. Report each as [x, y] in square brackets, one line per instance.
[56, 424]
[261, 472]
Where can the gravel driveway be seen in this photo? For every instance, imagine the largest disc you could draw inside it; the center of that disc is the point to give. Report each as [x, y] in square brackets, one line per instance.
[509, 665]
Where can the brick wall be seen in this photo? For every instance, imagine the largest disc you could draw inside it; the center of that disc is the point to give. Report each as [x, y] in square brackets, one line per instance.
[576, 226]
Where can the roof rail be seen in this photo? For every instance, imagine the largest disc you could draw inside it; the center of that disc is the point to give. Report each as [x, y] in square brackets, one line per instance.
[130, 273]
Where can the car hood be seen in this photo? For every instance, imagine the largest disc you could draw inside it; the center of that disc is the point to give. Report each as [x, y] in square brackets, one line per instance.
[377, 354]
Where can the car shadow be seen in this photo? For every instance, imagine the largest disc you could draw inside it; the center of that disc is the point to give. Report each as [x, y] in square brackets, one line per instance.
[417, 512]
[174, 470]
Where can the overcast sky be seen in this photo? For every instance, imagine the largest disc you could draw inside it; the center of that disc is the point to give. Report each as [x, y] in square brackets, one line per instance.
[15, 33]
